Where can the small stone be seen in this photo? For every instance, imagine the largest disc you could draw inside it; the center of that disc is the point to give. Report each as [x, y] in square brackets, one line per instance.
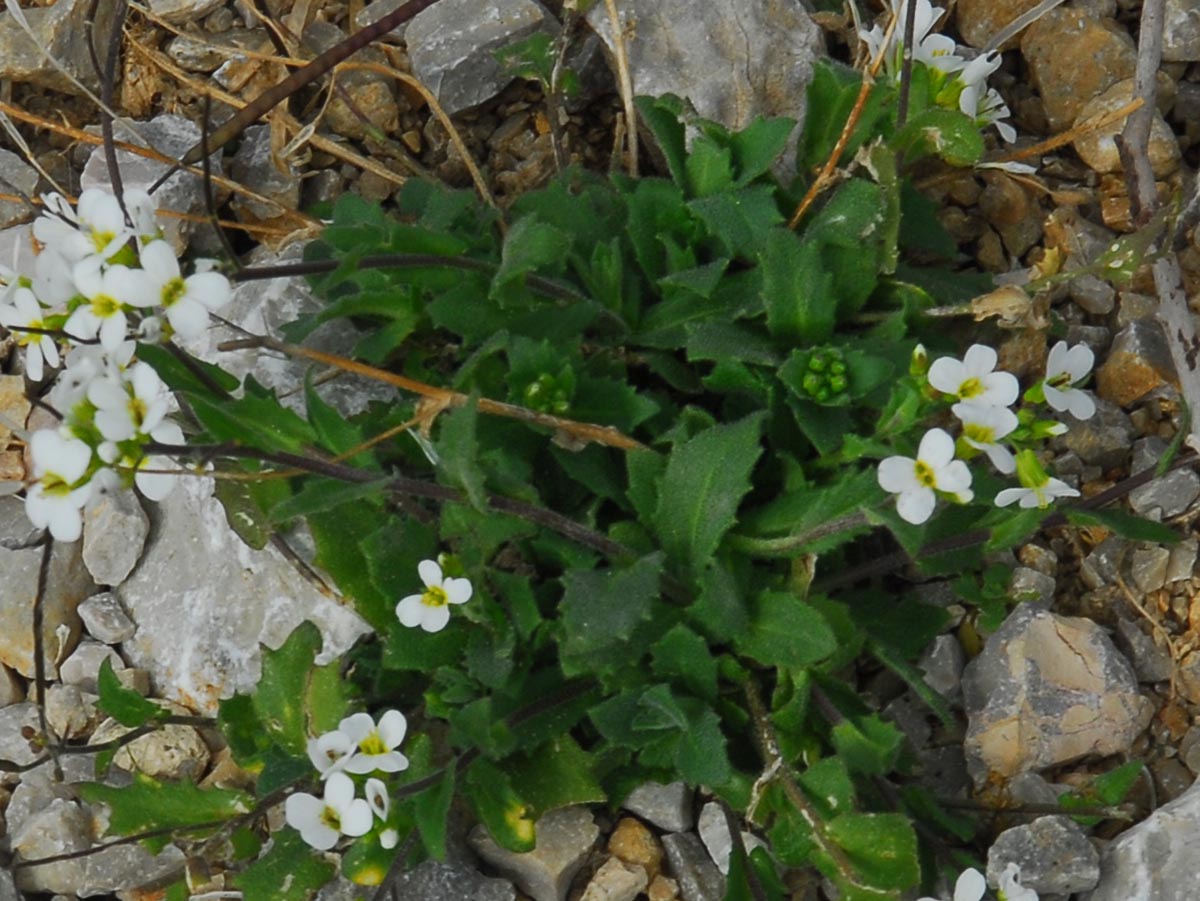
[1188, 676]
[16, 531]
[1171, 778]
[1092, 294]
[114, 531]
[942, 664]
[1030, 585]
[56, 31]
[1148, 568]
[41, 785]
[1073, 58]
[1047, 690]
[907, 712]
[8, 888]
[254, 164]
[1183, 560]
[1164, 497]
[67, 585]
[1189, 749]
[1138, 362]
[697, 876]
[1102, 440]
[943, 771]
[451, 46]
[22, 177]
[60, 828]
[82, 668]
[1053, 853]
[1102, 566]
[1097, 337]
[179, 12]
[663, 889]
[980, 20]
[434, 880]
[1181, 31]
[136, 679]
[634, 844]
[1098, 147]
[669, 807]
[615, 881]
[171, 752]
[373, 93]
[1150, 662]
[12, 689]
[1031, 788]
[373, 12]
[70, 713]
[564, 839]
[1039, 558]
[105, 619]
[16, 721]
[714, 832]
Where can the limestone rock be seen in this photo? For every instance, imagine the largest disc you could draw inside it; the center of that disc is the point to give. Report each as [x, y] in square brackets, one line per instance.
[179, 12]
[615, 881]
[634, 844]
[1053, 853]
[253, 165]
[61, 827]
[731, 59]
[67, 585]
[24, 178]
[373, 93]
[1098, 148]
[105, 619]
[114, 531]
[942, 665]
[668, 807]
[564, 839]
[698, 877]
[979, 20]
[15, 721]
[12, 689]
[1073, 58]
[436, 881]
[714, 832]
[172, 751]
[82, 668]
[1150, 662]
[1102, 440]
[1181, 31]
[70, 713]
[61, 28]
[1047, 690]
[1164, 497]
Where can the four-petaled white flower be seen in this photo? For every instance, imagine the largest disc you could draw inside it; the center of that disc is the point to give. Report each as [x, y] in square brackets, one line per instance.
[1064, 367]
[983, 427]
[96, 228]
[321, 821]
[375, 746]
[974, 379]
[329, 752]
[108, 292]
[979, 101]
[55, 500]
[936, 50]
[187, 301]
[24, 313]
[430, 609]
[134, 405]
[970, 886]
[915, 481]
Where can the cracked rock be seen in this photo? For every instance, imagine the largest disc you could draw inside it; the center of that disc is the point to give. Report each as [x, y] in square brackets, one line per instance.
[565, 838]
[1053, 853]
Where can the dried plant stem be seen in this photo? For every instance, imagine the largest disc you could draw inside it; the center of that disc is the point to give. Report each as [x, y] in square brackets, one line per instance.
[1158, 628]
[625, 84]
[443, 398]
[1095, 123]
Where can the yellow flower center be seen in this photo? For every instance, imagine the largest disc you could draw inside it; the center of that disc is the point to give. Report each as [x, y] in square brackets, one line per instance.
[172, 291]
[137, 411]
[330, 818]
[372, 743]
[100, 239]
[972, 387]
[55, 485]
[980, 434]
[104, 306]
[26, 338]
[434, 596]
[925, 474]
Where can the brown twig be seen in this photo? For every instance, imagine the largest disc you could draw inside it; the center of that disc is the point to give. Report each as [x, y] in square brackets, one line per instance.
[625, 84]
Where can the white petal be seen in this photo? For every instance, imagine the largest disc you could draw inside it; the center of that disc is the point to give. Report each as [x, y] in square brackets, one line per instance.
[434, 619]
[1001, 458]
[1080, 405]
[357, 726]
[979, 360]
[917, 505]
[1009, 495]
[208, 288]
[377, 797]
[936, 448]
[409, 610]
[970, 886]
[155, 485]
[188, 318]
[357, 819]
[392, 728]
[339, 791]
[458, 591]
[1002, 388]
[430, 573]
[159, 260]
[1056, 399]
[897, 474]
[947, 375]
[329, 750]
[302, 810]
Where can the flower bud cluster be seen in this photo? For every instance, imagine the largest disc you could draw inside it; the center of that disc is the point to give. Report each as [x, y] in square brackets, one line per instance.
[981, 398]
[103, 277]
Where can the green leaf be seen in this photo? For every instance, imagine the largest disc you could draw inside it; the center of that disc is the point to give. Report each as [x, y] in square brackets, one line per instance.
[709, 167]
[797, 291]
[867, 744]
[431, 809]
[705, 480]
[945, 133]
[741, 219]
[279, 697]
[701, 755]
[557, 774]
[245, 503]
[785, 631]
[882, 847]
[318, 494]
[757, 146]
[458, 452]
[1124, 524]
[606, 616]
[662, 117]
[123, 704]
[341, 536]
[325, 698]
[289, 871]
[181, 376]
[766, 880]
[504, 812]
[529, 246]
[832, 94]
[255, 420]
[807, 514]
[720, 611]
[148, 804]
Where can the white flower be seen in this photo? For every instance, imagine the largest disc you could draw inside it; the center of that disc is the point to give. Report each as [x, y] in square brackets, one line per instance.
[377, 797]
[321, 822]
[96, 228]
[429, 609]
[983, 426]
[84, 364]
[1010, 885]
[108, 291]
[23, 313]
[970, 886]
[186, 302]
[158, 484]
[376, 745]
[973, 379]
[134, 405]
[934, 50]
[1064, 367]
[55, 500]
[1037, 489]
[329, 752]
[934, 469]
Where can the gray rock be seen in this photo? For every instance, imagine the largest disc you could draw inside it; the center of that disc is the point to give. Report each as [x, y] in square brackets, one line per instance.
[373, 12]
[1097, 337]
[1053, 853]
[1171, 778]
[82, 668]
[450, 46]
[942, 663]
[70, 713]
[615, 881]
[733, 60]
[565, 837]
[1150, 662]
[715, 834]
[373, 93]
[67, 585]
[105, 619]
[16, 719]
[1102, 566]
[1166, 496]
[114, 531]
[907, 712]
[1183, 560]
[16, 531]
[1047, 690]
[433, 880]
[171, 752]
[668, 807]
[698, 877]
[179, 12]
[1148, 567]
[253, 165]
[943, 771]
[1092, 294]
[1181, 31]
[1032, 586]
[183, 192]
[16, 177]
[1030, 788]
[12, 689]
[1157, 859]
[1102, 440]
[1098, 147]
[60, 29]
[59, 828]
[8, 888]
[1189, 749]
[131, 868]
[39, 786]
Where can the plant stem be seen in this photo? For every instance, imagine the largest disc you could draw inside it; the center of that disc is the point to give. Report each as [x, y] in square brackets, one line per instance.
[787, 545]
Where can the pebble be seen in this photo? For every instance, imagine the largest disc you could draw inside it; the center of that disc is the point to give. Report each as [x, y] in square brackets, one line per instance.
[634, 844]
[1183, 560]
[1102, 440]
[1171, 778]
[1098, 147]
[60, 827]
[663, 889]
[19, 175]
[1181, 31]
[105, 619]
[114, 531]
[82, 668]
[171, 752]
[254, 164]
[1072, 58]
[59, 31]
[1032, 586]
[565, 839]
[16, 722]
[1092, 294]
[12, 689]
[1047, 690]
[1148, 568]
[697, 876]
[1053, 853]
[1164, 497]
[1150, 662]
[942, 664]
[434, 880]
[179, 12]
[979, 20]
[714, 832]
[70, 712]
[669, 807]
[615, 881]
[1102, 566]
[373, 93]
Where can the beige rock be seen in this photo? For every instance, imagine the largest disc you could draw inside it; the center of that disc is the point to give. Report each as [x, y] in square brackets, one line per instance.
[1138, 362]
[615, 881]
[979, 20]
[1073, 58]
[1099, 148]
[633, 843]
[14, 405]
[663, 889]
[170, 752]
